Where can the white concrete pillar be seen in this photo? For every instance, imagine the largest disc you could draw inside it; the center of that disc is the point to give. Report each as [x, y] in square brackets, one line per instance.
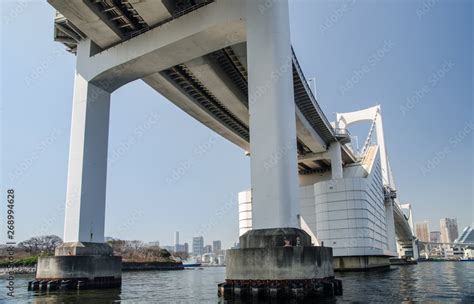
[336, 160]
[272, 115]
[390, 225]
[87, 172]
[383, 153]
[416, 250]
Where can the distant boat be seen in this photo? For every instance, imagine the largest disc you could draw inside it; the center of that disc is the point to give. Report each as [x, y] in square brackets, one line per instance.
[466, 260]
[191, 263]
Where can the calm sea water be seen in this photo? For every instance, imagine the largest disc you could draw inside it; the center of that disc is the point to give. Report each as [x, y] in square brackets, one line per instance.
[445, 282]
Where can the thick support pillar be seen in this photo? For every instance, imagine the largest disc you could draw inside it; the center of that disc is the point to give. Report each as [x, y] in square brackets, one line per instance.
[272, 122]
[84, 260]
[276, 258]
[85, 210]
[390, 224]
[336, 160]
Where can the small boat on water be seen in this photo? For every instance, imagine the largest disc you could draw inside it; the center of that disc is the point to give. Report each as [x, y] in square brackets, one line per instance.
[466, 260]
[191, 264]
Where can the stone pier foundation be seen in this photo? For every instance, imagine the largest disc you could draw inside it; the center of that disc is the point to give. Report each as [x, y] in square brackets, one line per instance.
[78, 266]
[279, 264]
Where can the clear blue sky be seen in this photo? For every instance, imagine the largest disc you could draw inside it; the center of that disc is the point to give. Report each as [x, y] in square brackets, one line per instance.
[412, 57]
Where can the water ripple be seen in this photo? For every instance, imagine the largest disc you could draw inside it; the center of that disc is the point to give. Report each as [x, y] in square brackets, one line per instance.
[442, 282]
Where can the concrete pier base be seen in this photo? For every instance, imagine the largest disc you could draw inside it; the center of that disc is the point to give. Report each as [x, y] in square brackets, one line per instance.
[360, 263]
[78, 266]
[279, 263]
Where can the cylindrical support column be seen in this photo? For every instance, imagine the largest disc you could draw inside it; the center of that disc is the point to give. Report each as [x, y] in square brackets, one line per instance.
[336, 160]
[272, 115]
[87, 172]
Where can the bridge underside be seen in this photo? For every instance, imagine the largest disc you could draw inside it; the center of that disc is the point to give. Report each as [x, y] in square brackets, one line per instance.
[212, 88]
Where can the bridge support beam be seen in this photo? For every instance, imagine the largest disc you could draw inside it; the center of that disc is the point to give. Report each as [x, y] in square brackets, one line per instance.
[84, 256]
[336, 160]
[257, 268]
[274, 173]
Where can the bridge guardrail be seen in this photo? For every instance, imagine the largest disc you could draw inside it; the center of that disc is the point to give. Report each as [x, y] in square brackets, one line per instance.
[310, 93]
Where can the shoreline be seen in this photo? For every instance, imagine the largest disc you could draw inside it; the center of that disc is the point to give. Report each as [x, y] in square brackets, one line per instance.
[146, 266]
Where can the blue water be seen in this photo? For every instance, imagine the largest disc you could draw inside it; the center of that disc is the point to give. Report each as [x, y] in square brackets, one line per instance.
[432, 282]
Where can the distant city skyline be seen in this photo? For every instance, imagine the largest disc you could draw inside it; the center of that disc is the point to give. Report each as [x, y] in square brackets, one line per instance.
[177, 246]
[447, 232]
[435, 225]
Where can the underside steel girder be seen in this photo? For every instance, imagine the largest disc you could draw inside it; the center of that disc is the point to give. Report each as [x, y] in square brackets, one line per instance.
[190, 85]
[122, 17]
[183, 79]
[230, 63]
[232, 66]
[119, 15]
[176, 7]
[235, 70]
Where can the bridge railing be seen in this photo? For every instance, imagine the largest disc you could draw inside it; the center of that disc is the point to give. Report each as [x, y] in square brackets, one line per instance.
[310, 94]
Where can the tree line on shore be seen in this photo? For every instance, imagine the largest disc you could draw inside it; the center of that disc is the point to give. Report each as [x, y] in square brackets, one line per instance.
[138, 251]
[27, 252]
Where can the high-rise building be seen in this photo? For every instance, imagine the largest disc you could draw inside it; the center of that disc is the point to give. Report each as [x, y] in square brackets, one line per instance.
[217, 246]
[180, 248]
[422, 231]
[449, 230]
[435, 237]
[198, 245]
[186, 247]
[176, 242]
[208, 249]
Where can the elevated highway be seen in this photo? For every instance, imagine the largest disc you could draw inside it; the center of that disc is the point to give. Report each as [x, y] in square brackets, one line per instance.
[203, 70]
